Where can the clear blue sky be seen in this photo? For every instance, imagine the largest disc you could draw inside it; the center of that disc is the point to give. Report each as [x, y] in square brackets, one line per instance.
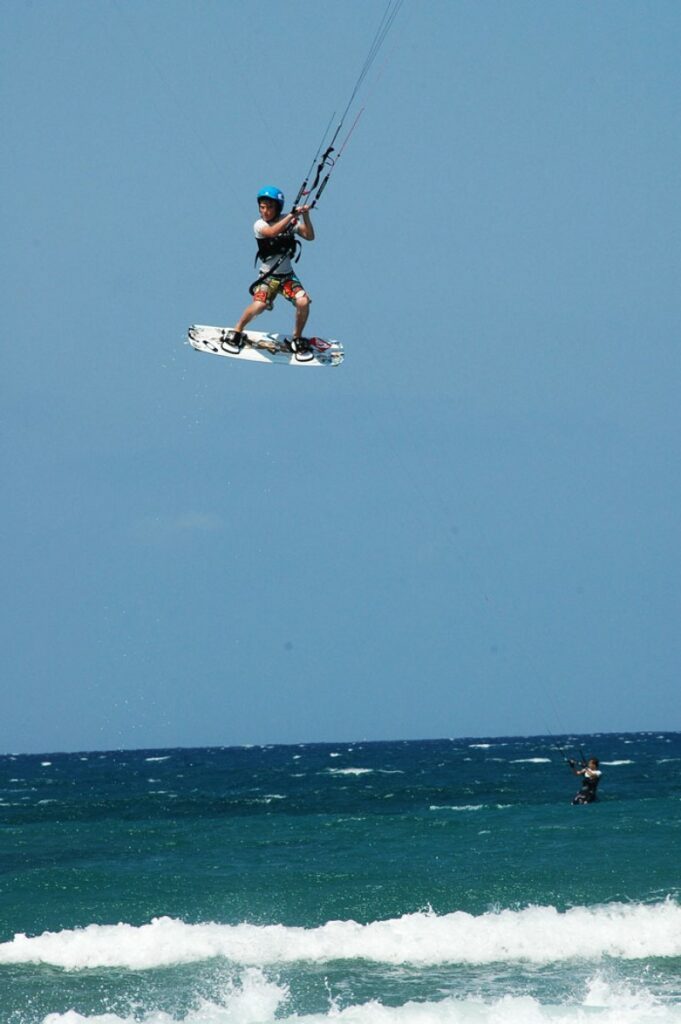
[472, 527]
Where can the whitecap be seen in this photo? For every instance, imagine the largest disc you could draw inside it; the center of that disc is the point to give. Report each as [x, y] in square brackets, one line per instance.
[456, 807]
[532, 760]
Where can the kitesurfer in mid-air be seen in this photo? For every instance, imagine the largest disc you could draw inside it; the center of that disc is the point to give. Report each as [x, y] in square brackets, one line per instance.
[591, 775]
[277, 234]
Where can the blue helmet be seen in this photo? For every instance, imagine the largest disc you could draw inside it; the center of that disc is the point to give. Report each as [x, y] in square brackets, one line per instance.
[272, 192]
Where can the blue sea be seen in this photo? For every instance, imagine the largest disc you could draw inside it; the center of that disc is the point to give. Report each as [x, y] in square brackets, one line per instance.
[434, 882]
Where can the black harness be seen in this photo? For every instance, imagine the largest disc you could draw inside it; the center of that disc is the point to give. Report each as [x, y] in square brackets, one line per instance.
[281, 246]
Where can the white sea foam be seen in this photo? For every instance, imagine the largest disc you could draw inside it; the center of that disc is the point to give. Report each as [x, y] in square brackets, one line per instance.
[469, 807]
[532, 760]
[251, 1000]
[613, 763]
[456, 807]
[350, 771]
[539, 935]
[256, 1000]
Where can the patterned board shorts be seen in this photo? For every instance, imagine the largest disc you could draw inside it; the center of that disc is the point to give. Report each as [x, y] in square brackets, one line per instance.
[267, 291]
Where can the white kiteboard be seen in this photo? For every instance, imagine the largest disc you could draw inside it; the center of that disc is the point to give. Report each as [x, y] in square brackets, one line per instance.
[261, 347]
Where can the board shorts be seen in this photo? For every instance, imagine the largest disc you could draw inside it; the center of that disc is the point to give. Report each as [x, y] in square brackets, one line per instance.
[288, 285]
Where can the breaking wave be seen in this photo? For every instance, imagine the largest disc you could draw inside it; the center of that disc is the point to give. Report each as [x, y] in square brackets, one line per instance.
[539, 935]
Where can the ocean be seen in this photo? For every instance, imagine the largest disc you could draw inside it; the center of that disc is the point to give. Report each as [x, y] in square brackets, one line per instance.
[434, 882]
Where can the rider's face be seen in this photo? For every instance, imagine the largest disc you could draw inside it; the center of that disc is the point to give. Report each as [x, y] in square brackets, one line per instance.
[268, 209]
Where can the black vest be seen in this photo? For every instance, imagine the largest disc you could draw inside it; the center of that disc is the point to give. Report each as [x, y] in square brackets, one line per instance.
[283, 244]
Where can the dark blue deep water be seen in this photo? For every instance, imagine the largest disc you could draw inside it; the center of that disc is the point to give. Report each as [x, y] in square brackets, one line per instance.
[446, 881]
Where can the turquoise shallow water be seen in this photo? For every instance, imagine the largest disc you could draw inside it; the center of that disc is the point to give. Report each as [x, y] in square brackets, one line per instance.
[444, 880]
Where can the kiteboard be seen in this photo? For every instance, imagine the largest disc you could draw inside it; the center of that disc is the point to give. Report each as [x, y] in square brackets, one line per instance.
[262, 347]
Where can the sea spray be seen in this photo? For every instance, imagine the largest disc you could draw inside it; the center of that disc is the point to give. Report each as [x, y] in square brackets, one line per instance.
[260, 1002]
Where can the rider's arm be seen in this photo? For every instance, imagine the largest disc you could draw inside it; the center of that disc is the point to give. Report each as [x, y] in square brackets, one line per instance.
[305, 230]
[272, 230]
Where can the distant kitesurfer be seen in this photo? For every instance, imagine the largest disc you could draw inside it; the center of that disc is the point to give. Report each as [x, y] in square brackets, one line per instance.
[591, 775]
[277, 235]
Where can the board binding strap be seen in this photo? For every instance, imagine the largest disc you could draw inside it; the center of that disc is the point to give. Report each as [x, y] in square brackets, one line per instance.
[262, 347]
